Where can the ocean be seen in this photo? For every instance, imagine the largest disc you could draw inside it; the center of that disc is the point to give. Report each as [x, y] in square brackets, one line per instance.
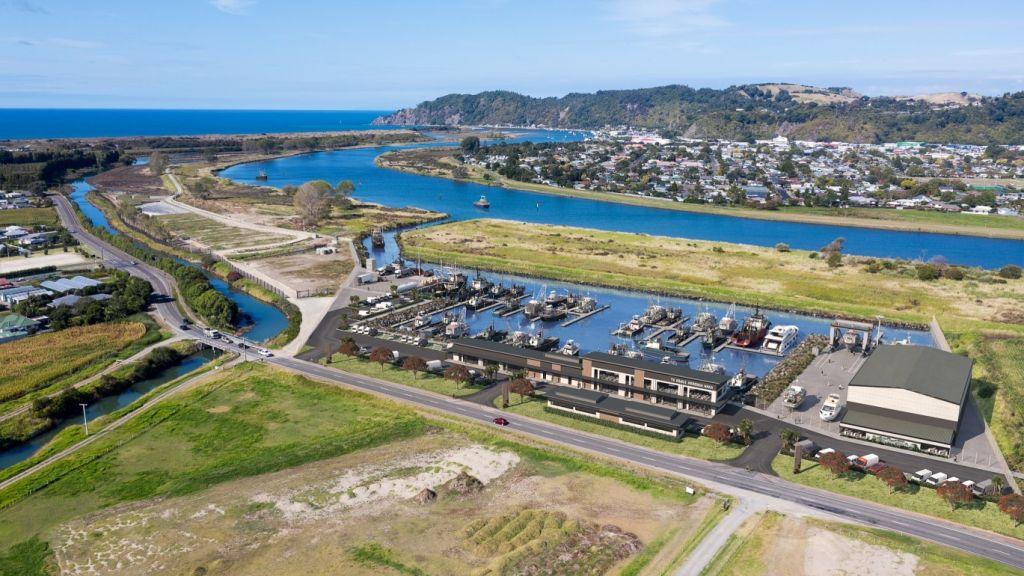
[21, 123]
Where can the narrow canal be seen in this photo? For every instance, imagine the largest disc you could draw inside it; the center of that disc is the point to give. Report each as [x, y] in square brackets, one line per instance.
[261, 321]
[109, 404]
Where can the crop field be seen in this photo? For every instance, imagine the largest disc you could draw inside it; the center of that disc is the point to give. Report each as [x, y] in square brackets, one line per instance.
[770, 543]
[215, 235]
[34, 363]
[259, 471]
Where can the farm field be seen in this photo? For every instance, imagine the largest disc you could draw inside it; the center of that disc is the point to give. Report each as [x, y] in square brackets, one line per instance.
[701, 447]
[770, 543]
[922, 500]
[39, 362]
[259, 471]
[28, 217]
[215, 235]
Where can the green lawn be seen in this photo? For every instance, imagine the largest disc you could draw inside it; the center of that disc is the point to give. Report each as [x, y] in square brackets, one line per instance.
[29, 217]
[979, 513]
[246, 421]
[397, 375]
[700, 447]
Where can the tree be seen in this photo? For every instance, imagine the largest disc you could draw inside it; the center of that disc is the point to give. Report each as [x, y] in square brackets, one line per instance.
[491, 371]
[789, 438]
[157, 163]
[718, 432]
[893, 477]
[746, 429]
[521, 386]
[835, 462]
[348, 347]
[997, 484]
[470, 144]
[382, 356]
[1013, 506]
[345, 188]
[954, 493]
[835, 245]
[313, 201]
[414, 364]
[457, 373]
[835, 260]
[1010, 271]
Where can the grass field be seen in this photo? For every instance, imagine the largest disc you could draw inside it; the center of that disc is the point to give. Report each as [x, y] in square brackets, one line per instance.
[215, 235]
[259, 471]
[701, 447]
[439, 163]
[28, 217]
[36, 363]
[770, 543]
[397, 375]
[979, 513]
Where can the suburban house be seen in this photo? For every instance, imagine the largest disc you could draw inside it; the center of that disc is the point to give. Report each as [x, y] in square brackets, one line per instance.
[14, 326]
[908, 396]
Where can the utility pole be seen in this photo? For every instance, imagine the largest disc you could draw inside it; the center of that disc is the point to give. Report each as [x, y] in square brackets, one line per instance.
[85, 418]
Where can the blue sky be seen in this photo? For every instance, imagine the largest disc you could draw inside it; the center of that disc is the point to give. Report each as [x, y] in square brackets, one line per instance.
[386, 54]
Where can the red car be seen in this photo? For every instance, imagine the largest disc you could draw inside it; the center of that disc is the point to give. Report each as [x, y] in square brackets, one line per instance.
[500, 421]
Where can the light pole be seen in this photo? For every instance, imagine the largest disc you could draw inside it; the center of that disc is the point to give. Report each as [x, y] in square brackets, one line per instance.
[85, 418]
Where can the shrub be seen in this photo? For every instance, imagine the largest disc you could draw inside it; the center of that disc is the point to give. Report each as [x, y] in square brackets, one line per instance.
[927, 272]
[234, 276]
[813, 255]
[953, 273]
[1011, 271]
[782, 247]
[835, 260]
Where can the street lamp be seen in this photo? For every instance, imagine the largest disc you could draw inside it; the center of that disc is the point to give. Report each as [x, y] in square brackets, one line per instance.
[85, 418]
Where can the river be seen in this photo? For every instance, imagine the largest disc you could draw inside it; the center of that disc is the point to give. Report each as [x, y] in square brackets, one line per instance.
[109, 404]
[260, 320]
[393, 188]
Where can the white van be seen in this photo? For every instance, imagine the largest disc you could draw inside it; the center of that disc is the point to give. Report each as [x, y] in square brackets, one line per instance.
[936, 479]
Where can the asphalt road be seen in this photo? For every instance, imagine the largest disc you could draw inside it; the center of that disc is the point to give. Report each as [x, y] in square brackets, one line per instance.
[989, 545]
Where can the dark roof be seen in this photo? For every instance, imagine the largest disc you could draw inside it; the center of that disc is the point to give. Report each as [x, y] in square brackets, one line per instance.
[676, 370]
[922, 369]
[501, 348]
[899, 422]
[644, 412]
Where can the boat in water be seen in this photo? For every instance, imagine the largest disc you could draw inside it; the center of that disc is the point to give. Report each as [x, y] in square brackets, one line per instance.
[753, 331]
[709, 365]
[377, 238]
[705, 322]
[476, 302]
[780, 339]
[631, 328]
[570, 348]
[456, 329]
[655, 313]
[482, 202]
[538, 341]
[491, 334]
[262, 176]
[728, 324]
[625, 351]
[480, 284]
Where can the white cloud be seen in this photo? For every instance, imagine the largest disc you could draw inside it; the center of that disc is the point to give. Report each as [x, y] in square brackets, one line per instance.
[235, 7]
[662, 18]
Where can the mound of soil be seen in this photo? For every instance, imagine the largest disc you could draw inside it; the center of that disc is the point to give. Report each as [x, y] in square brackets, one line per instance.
[425, 496]
[463, 484]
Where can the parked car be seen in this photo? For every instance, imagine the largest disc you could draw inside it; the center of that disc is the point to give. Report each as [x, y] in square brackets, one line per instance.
[264, 352]
[500, 421]
[920, 476]
[936, 479]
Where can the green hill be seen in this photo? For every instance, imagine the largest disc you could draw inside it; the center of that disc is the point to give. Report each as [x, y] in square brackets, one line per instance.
[743, 112]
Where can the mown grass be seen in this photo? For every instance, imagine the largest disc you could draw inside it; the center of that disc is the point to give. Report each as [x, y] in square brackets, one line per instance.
[396, 374]
[246, 421]
[699, 447]
[979, 513]
[742, 553]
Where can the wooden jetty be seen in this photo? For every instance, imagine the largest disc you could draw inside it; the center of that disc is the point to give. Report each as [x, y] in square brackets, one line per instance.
[587, 315]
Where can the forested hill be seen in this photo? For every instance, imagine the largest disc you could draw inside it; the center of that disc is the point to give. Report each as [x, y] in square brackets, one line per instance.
[743, 112]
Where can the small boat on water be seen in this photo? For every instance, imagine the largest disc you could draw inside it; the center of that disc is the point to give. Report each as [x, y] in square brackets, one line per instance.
[262, 176]
[585, 305]
[753, 331]
[631, 328]
[480, 284]
[556, 299]
[570, 348]
[377, 238]
[540, 342]
[456, 329]
[728, 324]
[709, 365]
[780, 339]
[482, 203]
[655, 313]
[491, 334]
[477, 302]
[705, 322]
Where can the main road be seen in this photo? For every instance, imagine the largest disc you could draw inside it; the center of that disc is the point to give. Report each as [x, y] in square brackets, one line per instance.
[974, 541]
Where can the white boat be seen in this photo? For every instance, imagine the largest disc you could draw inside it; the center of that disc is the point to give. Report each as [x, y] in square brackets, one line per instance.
[570, 348]
[482, 202]
[456, 329]
[705, 322]
[780, 339]
[709, 365]
[727, 325]
[793, 396]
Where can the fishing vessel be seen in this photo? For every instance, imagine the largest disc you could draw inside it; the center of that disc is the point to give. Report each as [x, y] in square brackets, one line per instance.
[422, 321]
[631, 328]
[456, 329]
[482, 203]
[491, 334]
[727, 325]
[507, 306]
[480, 284]
[780, 339]
[655, 313]
[556, 299]
[625, 351]
[585, 304]
[753, 331]
[741, 381]
[477, 302]
[709, 365]
[705, 322]
[262, 176]
[538, 341]
[377, 238]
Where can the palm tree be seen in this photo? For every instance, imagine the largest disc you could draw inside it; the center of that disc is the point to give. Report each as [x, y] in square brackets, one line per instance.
[746, 430]
[789, 438]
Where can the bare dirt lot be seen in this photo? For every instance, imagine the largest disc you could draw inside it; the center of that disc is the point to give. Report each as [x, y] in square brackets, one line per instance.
[307, 271]
[368, 512]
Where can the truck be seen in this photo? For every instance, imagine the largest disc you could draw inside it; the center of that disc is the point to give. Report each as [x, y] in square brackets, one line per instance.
[368, 278]
[435, 366]
[920, 476]
[936, 479]
[830, 409]
[211, 333]
[866, 461]
[794, 396]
